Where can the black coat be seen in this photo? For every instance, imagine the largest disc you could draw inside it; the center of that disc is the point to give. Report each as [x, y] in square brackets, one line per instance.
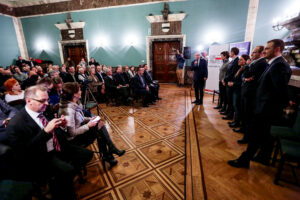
[126, 77]
[28, 140]
[68, 78]
[232, 69]
[255, 70]
[119, 79]
[272, 90]
[148, 77]
[99, 77]
[201, 71]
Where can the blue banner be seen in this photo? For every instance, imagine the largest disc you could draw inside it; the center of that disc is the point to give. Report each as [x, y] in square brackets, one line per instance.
[244, 47]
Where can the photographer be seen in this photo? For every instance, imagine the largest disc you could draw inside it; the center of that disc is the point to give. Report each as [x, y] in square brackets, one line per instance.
[179, 71]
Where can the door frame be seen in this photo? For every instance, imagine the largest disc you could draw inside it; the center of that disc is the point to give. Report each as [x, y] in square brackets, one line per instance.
[62, 44]
[161, 38]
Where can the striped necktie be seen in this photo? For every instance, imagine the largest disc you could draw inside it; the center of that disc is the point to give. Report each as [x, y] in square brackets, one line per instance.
[45, 122]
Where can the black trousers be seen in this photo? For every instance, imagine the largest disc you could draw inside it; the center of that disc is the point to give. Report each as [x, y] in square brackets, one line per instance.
[148, 95]
[223, 98]
[236, 95]
[247, 113]
[123, 93]
[259, 139]
[199, 85]
[229, 95]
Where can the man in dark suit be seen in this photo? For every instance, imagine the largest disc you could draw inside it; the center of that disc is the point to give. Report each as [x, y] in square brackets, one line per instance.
[70, 76]
[140, 87]
[39, 148]
[20, 62]
[199, 66]
[99, 73]
[126, 75]
[250, 77]
[154, 86]
[232, 69]
[271, 98]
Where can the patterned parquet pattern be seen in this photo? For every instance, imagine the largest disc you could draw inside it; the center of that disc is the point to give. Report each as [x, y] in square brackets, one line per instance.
[154, 164]
[218, 144]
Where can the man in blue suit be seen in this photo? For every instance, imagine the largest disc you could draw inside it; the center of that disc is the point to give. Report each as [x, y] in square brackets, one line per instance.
[199, 66]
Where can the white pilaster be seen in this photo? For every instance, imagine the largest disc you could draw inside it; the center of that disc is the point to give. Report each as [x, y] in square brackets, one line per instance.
[20, 37]
[251, 20]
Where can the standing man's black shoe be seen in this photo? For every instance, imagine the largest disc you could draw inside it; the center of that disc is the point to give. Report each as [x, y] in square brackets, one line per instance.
[223, 113]
[234, 125]
[239, 164]
[217, 107]
[227, 117]
[238, 130]
[196, 101]
[243, 141]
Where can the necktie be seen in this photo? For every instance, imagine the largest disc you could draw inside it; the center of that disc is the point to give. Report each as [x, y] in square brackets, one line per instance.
[142, 81]
[45, 122]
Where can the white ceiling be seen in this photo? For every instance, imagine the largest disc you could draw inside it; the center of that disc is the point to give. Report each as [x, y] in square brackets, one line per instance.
[22, 3]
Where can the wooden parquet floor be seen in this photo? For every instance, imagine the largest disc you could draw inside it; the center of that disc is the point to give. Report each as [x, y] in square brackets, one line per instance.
[154, 164]
[176, 150]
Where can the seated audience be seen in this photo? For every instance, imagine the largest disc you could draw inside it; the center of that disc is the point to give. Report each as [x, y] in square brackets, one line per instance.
[19, 76]
[122, 86]
[40, 71]
[131, 72]
[83, 130]
[71, 75]
[31, 81]
[6, 113]
[82, 63]
[14, 95]
[126, 75]
[55, 92]
[97, 87]
[82, 77]
[39, 148]
[20, 62]
[154, 86]
[46, 82]
[140, 88]
[99, 73]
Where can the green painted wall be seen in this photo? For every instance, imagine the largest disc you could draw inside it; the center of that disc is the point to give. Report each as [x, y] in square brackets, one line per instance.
[268, 10]
[8, 42]
[221, 16]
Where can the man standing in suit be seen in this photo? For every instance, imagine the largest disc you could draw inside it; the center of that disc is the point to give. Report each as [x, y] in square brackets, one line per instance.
[199, 66]
[271, 98]
[232, 69]
[40, 149]
[250, 77]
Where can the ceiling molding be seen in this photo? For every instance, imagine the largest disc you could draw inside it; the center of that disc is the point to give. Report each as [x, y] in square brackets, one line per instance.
[75, 6]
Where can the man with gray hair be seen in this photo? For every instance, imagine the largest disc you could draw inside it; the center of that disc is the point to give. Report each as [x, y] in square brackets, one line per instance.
[39, 146]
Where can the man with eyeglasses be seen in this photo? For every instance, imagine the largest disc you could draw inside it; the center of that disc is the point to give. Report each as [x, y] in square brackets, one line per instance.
[40, 149]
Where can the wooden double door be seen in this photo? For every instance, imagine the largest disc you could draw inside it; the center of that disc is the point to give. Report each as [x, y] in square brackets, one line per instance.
[76, 53]
[164, 61]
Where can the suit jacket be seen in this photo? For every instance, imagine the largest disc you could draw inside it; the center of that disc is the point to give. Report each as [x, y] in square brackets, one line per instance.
[119, 79]
[99, 77]
[28, 140]
[254, 70]
[232, 69]
[272, 90]
[110, 84]
[200, 70]
[20, 62]
[68, 78]
[148, 77]
[138, 84]
[6, 111]
[126, 77]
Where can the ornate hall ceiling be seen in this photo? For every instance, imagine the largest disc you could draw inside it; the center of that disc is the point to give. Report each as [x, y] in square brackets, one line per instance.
[22, 8]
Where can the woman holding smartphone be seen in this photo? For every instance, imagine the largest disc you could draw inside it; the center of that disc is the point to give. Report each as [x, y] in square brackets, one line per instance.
[84, 130]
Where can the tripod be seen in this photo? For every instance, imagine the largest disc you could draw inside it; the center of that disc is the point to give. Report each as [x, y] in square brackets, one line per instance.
[89, 100]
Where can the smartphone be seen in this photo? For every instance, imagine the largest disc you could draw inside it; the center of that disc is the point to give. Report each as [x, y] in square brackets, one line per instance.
[96, 119]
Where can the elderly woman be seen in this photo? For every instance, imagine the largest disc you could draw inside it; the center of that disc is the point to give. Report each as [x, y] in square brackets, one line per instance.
[83, 130]
[13, 90]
